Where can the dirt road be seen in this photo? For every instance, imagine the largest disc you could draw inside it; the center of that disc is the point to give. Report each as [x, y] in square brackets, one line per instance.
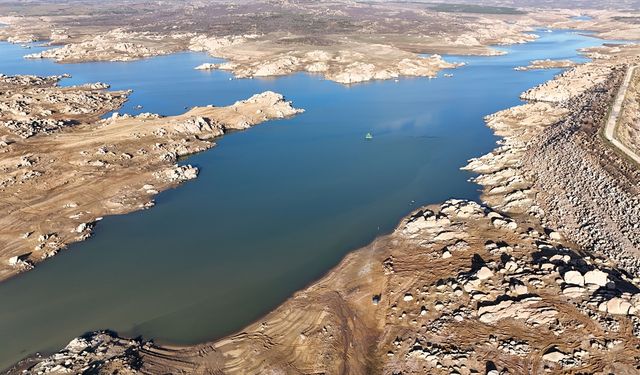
[609, 131]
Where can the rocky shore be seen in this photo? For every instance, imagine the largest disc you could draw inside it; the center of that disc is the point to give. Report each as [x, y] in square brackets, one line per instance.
[31, 105]
[563, 171]
[457, 288]
[64, 168]
[542, 277]
[345, 66]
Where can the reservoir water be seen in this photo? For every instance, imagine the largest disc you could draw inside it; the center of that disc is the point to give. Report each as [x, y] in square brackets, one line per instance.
[274, 207]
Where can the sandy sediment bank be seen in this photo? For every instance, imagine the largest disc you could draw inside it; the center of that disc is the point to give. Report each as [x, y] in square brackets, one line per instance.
[64, 168]
[462, 287]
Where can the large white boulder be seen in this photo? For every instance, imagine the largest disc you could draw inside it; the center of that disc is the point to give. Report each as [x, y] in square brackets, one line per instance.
[554, 355]
[574, 278]
[618, 306]
[596, 277]
[484, 273]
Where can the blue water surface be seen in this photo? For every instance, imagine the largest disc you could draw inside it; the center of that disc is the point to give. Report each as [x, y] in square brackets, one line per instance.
[274, 207]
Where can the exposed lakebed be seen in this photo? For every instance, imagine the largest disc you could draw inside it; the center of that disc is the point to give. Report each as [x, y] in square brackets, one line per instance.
[274, 207]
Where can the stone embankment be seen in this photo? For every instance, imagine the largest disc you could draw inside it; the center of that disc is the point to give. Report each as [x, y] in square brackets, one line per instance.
[561, 171]
[623, 130]
[587, 189]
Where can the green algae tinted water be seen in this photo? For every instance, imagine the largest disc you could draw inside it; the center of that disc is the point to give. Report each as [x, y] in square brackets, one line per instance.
[274, 207]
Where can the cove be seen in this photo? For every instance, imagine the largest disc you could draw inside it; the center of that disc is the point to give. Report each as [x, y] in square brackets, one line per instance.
[274, 207]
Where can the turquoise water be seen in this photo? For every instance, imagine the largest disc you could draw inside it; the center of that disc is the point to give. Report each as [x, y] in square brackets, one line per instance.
[274, 207]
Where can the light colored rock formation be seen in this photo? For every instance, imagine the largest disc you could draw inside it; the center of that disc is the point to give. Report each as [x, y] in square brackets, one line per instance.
[569, 84]
[358, 63]
[206, 66]
[101, 350]
[213, 45]
[31, 105]
[527, 310]
[114, 45]
[547, 64]
[574, 278]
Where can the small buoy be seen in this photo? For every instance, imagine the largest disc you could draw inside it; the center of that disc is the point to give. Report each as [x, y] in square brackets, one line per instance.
[368, 136]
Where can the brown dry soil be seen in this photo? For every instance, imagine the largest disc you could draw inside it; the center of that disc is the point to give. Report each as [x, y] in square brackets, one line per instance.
[628, 127]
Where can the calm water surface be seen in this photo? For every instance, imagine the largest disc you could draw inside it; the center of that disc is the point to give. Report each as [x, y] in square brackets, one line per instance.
[274, 207]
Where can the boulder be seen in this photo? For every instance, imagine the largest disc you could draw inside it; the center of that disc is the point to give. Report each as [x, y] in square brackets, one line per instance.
[596, 277]
[574, 291]
[618, 306]
[484, 273]
[555, 236]
[573, 278]
[528, 309]
[554, 355]
[13, 261]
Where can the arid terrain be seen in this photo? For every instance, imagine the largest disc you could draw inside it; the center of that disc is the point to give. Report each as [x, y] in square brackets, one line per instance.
[540, 277]
[347, 42]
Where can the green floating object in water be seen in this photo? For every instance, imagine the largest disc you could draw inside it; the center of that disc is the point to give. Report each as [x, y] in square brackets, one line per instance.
[368, 136]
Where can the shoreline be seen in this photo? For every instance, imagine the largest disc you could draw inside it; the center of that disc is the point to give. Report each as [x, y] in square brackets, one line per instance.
[210, 355]
[357, 298]
[128, 159]
[24, 262]
[347, 58]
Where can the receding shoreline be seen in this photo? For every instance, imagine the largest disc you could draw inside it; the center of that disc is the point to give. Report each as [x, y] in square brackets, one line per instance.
[128, 159]
[348, 309]
[427, 271]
